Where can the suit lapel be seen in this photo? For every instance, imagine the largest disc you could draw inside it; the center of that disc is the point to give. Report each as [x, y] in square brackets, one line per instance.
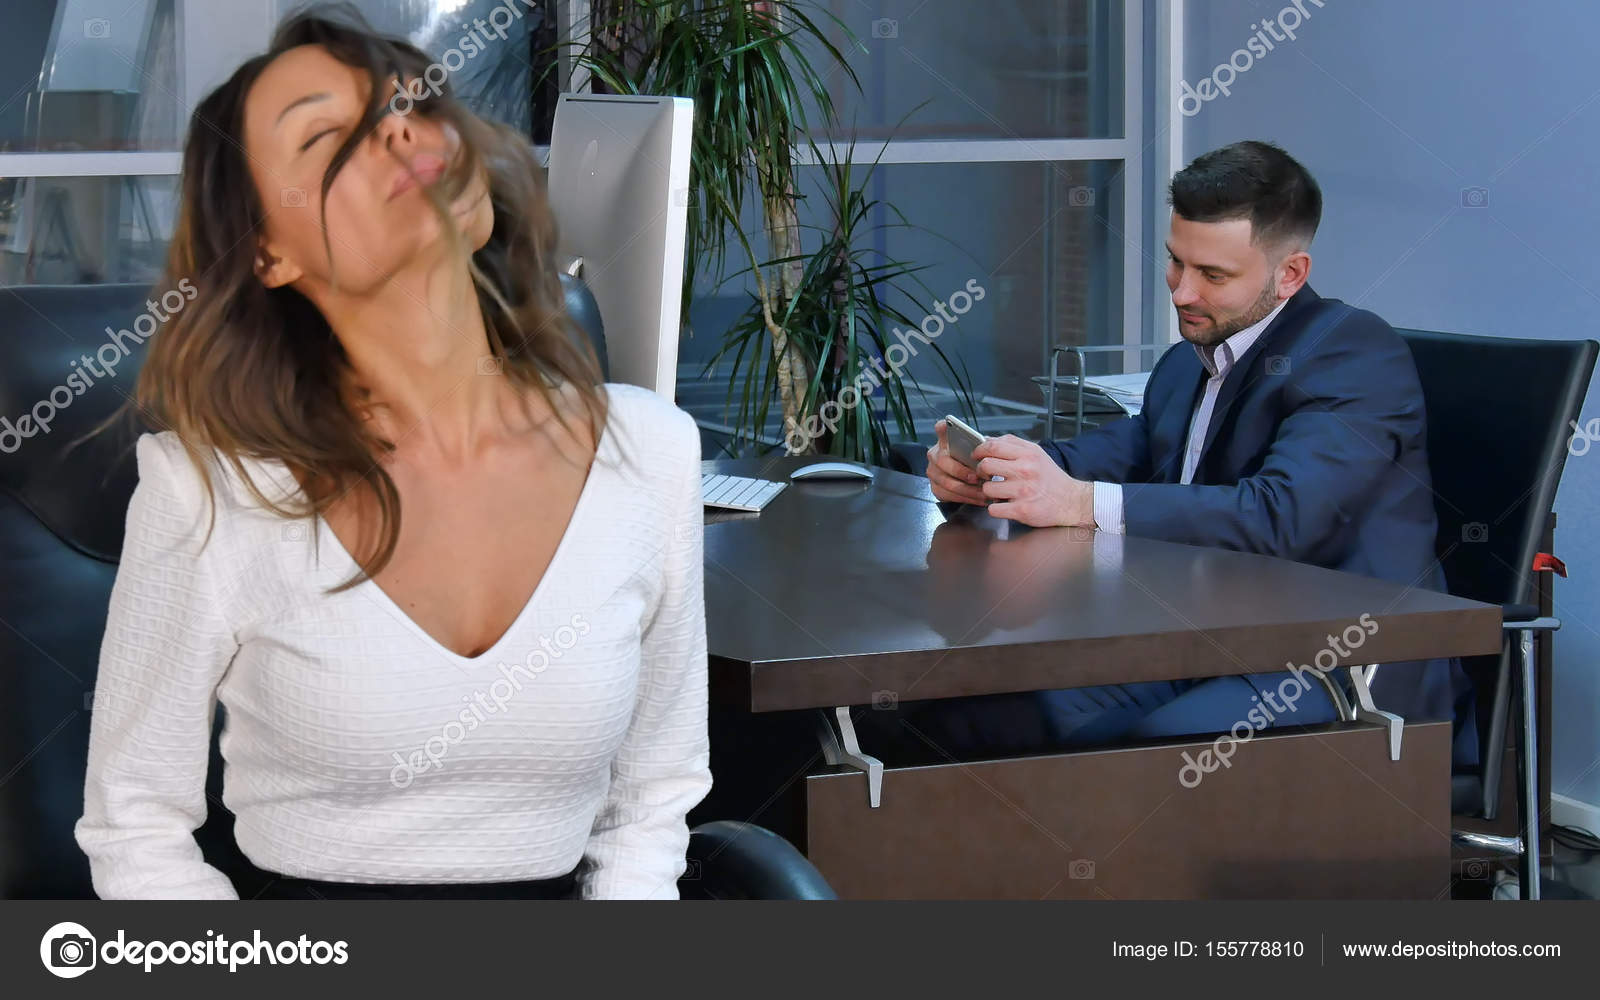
[1239, 375]
[1173, 431]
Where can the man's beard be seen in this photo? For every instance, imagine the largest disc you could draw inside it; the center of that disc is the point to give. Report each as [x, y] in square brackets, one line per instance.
[1225, 328]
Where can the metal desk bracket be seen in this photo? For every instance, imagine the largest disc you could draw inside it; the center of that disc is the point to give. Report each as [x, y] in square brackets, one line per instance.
[1367, 711]
[850, 753]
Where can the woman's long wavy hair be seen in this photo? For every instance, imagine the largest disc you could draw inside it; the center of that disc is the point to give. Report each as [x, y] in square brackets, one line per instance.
[253, 372]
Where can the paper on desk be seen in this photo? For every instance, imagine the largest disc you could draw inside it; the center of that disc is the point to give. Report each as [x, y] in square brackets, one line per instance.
[1125, 391]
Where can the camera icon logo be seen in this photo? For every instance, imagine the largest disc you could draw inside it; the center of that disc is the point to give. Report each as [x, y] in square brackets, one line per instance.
[1474, 531]
[68, 950]
[1080, 196]
[96, 27]
[1278, 364]
[1475, 197]
[295, 531]
[1475, 868]
[491, 365]
[1081, 869]
[885, 27]
[293, 197]
[691, 870]
[885, 701]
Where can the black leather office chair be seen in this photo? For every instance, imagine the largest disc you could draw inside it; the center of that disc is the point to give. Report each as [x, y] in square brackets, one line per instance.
[61, 520]
[1501, 414]
[729, 860]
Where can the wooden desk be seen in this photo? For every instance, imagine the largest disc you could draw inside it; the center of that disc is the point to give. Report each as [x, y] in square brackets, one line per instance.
[840, 593]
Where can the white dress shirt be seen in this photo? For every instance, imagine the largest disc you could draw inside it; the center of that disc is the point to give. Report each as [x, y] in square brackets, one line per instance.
[1218, 362]
[359, 749]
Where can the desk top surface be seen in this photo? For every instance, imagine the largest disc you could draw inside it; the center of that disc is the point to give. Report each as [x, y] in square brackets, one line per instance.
[840, 591]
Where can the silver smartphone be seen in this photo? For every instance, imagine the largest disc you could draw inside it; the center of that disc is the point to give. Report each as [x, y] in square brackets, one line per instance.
[962, 440]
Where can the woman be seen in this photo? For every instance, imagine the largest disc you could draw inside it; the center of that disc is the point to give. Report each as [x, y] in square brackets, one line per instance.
[446, 586]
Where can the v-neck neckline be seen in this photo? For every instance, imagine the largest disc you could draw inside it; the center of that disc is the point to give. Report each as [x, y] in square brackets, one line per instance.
[325, 533]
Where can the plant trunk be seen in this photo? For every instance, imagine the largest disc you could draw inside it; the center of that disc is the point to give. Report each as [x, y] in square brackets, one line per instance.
[783, 236]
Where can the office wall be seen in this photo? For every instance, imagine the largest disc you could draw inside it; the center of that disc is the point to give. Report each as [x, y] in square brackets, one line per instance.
[1457, 147]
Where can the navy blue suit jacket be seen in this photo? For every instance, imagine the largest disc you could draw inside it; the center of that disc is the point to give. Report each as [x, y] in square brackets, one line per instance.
[1316, 452]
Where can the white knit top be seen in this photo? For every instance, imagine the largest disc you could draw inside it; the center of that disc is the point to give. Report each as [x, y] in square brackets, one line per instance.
[359, 749]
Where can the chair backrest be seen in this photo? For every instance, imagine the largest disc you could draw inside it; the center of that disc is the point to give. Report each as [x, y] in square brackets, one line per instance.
[1500, 416]
[585, 311]
[61, 520]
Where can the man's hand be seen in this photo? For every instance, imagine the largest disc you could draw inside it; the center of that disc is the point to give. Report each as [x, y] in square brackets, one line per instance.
[952, 482]
[1033, 490]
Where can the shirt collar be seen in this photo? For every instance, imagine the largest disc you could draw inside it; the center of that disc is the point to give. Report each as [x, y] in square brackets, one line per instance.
[1219, 360]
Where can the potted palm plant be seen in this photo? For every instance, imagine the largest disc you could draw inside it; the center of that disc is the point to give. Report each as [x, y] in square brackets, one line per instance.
[852, 311]
[816, 315]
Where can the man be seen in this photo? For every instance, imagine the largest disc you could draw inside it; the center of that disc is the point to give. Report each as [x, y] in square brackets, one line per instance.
[1289, 425]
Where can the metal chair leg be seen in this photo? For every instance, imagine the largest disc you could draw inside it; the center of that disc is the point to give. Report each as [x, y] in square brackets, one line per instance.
[1495, 739]
[1525, 698]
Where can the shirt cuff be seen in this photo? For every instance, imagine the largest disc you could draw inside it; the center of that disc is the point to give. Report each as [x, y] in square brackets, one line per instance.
[1108, 507]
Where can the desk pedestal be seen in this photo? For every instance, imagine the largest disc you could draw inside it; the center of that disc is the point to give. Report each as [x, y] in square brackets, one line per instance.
[1321, 813]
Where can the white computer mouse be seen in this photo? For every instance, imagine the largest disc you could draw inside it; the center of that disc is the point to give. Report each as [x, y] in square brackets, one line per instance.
[832, 470]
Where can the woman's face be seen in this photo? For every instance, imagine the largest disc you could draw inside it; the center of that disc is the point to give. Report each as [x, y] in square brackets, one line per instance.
[298, 113]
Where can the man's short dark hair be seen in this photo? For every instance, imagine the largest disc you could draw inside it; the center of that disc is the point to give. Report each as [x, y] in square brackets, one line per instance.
[1250, 180]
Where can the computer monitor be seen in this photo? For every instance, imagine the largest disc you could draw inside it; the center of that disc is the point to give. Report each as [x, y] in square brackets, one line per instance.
[619, 186]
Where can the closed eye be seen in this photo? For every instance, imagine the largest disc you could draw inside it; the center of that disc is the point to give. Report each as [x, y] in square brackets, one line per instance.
[313, 140]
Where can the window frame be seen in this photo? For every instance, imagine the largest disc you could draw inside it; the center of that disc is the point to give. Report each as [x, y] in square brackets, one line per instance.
[215, 36]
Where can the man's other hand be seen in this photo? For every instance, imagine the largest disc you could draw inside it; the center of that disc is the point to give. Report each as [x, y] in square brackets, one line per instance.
[952, 482]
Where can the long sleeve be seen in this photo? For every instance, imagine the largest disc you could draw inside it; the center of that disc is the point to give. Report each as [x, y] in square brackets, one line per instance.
[1118, 452]
[166, 646]
[640, 837]
[1108, 507]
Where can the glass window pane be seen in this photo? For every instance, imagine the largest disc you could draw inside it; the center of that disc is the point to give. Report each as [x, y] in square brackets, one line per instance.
[89, 75]
[84, 230]
[489, 56]
[1009, 69]
[1041, 239]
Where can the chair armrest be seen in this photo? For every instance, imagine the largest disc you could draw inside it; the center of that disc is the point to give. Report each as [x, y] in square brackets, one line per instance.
[1516, 617]
[1519, 612]
[729, 860]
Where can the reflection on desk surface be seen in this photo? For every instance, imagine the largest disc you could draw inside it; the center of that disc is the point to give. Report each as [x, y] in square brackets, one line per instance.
[869, 569]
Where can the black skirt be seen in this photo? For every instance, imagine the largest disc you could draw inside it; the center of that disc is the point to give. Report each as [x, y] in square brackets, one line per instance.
[286, 887]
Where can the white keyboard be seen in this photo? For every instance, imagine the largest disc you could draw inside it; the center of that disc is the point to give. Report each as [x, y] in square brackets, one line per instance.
[738, 492]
